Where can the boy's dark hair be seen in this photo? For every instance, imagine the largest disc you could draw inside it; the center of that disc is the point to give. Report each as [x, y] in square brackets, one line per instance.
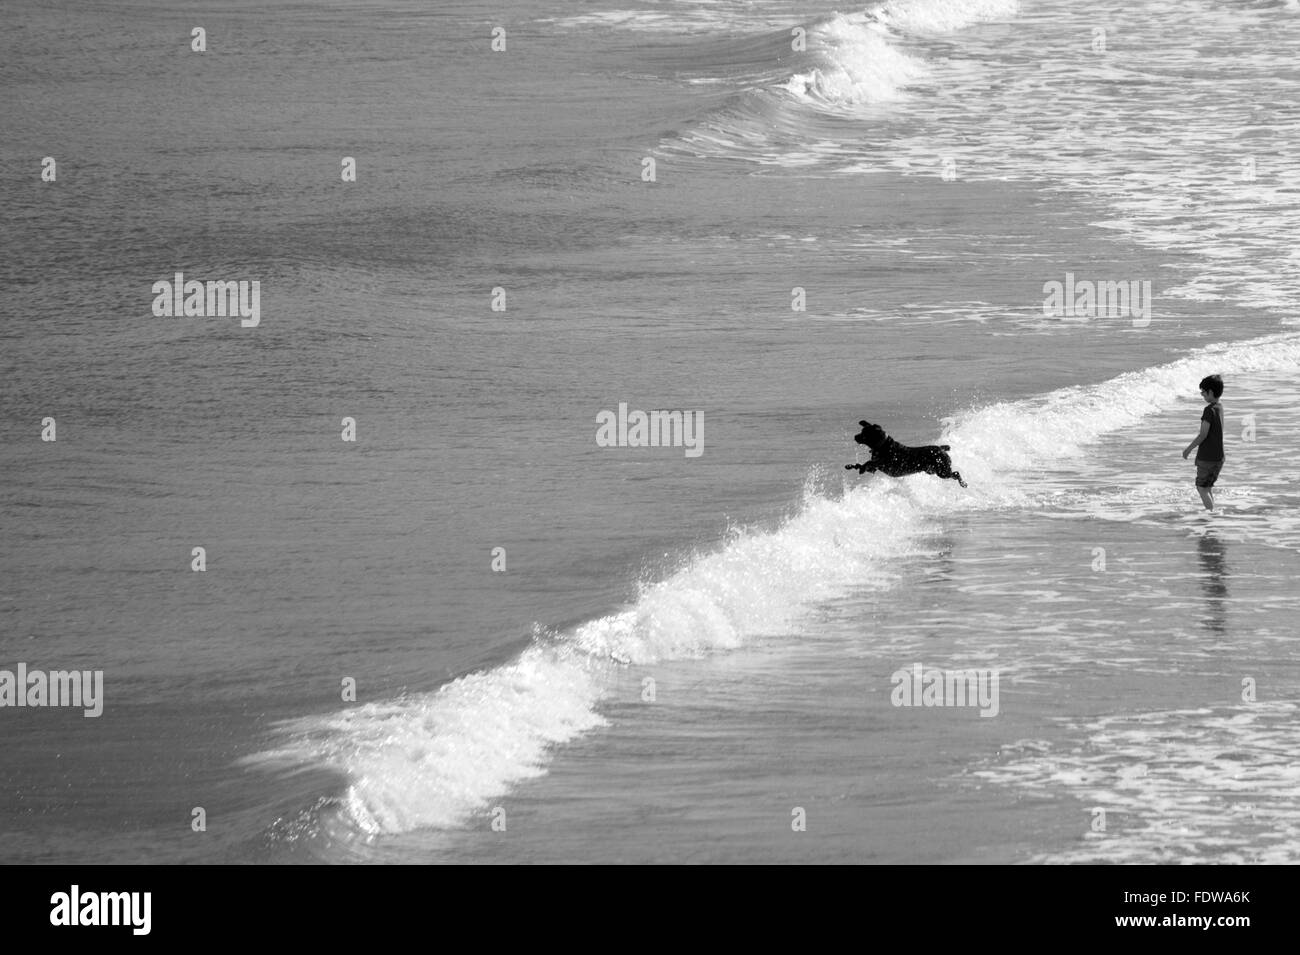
[1213, 384]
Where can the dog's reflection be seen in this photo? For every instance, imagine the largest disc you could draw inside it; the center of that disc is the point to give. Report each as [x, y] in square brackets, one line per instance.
[1212, 553]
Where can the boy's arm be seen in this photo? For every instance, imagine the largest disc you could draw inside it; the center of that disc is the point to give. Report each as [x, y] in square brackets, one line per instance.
[1205, 433]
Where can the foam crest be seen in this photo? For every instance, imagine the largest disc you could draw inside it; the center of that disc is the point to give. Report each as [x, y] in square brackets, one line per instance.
[760, 584]
[433, 759]
[860, 60]
[856, 64]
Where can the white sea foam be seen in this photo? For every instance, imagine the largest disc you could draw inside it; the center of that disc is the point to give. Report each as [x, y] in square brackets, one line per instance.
[431, 759]
[856, 63]
[860, 57]
[1186, 146]
[1201, 786]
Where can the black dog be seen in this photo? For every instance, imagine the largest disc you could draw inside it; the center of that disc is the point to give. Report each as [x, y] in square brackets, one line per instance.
[898, 460]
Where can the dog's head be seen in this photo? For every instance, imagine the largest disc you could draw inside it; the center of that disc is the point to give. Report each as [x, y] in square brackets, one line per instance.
[872, 435]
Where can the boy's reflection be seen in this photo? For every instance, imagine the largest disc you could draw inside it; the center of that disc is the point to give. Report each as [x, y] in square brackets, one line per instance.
[1212, 551]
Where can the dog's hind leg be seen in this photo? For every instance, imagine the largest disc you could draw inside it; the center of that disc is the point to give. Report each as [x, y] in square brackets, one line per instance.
[956, 475]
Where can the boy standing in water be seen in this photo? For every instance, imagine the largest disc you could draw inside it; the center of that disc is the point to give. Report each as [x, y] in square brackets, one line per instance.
[1209, 457]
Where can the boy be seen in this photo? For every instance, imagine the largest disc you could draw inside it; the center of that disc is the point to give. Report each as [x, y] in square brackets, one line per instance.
[1209, 457]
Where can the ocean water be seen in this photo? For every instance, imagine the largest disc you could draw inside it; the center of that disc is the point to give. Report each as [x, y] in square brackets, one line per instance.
[684, 655]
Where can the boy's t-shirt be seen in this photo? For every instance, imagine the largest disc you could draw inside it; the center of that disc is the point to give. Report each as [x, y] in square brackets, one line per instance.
[1211, 449]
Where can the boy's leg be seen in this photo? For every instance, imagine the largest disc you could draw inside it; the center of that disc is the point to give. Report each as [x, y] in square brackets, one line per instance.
[1206, 475]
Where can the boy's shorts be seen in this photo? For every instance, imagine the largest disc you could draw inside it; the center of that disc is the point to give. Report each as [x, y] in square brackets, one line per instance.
[1207, 472]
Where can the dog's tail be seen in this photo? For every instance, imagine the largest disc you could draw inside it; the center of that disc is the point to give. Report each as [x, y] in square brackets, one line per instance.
[946, 447]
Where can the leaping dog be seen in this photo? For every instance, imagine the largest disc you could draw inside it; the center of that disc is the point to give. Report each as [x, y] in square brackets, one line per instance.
[898, 460]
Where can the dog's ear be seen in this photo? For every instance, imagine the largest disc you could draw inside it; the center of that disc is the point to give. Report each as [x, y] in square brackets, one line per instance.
[865, 424]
